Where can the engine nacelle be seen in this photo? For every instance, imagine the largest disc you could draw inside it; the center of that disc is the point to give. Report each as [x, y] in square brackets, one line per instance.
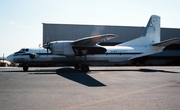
[62, 48]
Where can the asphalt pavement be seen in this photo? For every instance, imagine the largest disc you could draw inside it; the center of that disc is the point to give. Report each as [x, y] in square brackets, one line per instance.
[103, 88]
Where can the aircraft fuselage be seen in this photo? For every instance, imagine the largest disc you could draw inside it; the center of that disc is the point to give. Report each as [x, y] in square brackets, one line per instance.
[114, 54]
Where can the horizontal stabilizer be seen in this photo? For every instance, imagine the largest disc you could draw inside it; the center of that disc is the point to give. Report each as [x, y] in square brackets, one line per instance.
[167, 42]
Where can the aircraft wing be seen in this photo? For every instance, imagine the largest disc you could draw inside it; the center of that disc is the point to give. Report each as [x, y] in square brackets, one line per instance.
[167, 42]
[93, 40]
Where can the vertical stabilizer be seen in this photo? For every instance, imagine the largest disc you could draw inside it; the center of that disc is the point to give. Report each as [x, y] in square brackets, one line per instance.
[150, 35]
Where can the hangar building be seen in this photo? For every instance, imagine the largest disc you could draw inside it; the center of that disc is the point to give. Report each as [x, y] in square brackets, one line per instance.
[170, 55]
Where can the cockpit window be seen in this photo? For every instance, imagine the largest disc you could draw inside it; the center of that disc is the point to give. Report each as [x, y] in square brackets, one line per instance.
[23, 50]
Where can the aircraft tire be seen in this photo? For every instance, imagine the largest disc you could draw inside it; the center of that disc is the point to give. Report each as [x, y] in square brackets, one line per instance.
[25, 68]
[77, 66]
[84, 68]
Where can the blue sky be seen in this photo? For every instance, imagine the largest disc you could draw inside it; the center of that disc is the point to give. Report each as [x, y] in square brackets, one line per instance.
[21, 20]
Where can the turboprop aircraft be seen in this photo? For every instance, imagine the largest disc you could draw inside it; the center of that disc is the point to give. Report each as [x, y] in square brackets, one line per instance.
[84, 51]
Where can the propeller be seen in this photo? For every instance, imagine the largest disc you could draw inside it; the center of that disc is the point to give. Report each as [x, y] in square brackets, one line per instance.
[47, 46]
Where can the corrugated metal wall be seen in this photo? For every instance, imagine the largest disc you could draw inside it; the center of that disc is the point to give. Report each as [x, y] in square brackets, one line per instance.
[53, 32]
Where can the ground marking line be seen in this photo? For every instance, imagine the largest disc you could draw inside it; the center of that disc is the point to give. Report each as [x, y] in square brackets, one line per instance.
[115, 97]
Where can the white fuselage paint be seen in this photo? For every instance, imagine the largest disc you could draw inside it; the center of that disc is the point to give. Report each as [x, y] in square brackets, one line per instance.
[114, 54]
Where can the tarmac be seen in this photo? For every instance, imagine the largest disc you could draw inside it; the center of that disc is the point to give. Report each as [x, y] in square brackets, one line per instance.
[103, 88]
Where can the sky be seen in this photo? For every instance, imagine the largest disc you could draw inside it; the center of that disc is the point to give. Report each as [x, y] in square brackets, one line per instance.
[21, 20]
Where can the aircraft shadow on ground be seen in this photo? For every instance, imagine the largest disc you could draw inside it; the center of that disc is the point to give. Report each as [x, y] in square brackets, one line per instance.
[77, 76]
[40, 70]
[71, 70]
[83, 77]
[141, 70]
[152, 70]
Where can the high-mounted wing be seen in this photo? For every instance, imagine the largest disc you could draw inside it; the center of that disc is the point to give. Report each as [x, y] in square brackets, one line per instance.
[88, 45]
[93, 40]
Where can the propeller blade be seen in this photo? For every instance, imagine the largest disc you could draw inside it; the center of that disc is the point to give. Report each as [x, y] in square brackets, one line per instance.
[47, 52]
[47, 46]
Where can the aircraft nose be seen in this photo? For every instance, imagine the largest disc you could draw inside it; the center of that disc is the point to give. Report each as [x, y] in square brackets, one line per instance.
[10, 58]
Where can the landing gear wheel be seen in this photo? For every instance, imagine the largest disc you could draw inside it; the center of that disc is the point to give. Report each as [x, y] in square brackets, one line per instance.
[77, 66]
[84, 68]
[25, 68]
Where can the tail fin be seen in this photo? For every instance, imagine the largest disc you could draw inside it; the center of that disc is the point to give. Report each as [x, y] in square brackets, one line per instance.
[151, 34]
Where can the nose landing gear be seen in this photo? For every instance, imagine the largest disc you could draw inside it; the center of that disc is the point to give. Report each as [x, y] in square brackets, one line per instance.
[25, 68]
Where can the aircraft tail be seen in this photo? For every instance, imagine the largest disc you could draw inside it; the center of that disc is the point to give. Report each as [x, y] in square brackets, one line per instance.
[150, 35]
[150, 39]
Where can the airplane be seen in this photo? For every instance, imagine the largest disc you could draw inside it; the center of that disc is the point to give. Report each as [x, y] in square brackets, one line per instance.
[86, 50]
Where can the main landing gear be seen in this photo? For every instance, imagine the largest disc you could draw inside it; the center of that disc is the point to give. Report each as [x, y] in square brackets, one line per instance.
[84, 67]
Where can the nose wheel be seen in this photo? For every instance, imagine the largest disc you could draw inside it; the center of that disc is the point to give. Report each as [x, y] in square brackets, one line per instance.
[25, 68]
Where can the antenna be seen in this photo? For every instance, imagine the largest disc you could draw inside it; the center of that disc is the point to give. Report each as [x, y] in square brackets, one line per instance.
[3, 57]
[39, 47]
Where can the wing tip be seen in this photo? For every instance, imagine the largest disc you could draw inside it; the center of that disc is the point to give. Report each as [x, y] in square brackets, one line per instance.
[111, 35]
